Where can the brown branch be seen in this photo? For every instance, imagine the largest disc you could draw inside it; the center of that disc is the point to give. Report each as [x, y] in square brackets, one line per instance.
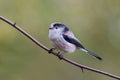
[56, 54]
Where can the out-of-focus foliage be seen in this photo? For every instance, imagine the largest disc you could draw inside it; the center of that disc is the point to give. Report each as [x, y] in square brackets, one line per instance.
[95, 22]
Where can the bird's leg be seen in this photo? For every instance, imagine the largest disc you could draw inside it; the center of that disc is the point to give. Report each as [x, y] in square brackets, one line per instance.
[51, 50]
[60, 56]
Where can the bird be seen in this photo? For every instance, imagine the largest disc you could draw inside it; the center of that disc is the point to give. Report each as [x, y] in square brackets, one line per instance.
[63, 39]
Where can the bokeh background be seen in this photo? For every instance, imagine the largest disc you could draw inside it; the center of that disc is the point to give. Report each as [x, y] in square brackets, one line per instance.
[95, 22]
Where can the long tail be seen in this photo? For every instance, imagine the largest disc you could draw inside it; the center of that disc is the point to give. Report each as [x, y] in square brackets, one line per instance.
[91, 53]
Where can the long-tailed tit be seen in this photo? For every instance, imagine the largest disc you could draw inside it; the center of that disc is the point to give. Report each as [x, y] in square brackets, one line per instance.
[63, 39]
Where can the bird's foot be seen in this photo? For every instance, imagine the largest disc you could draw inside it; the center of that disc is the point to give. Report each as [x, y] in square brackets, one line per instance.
[51, 50]
[60, 56]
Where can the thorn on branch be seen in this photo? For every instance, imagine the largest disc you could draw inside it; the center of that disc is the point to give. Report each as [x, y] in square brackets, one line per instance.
[82, 69]
[14, 24]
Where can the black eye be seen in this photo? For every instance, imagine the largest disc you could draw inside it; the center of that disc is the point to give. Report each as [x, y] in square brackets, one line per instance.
[56, 27]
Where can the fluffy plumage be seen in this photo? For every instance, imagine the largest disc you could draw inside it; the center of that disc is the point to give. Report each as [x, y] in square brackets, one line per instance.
[63, 39]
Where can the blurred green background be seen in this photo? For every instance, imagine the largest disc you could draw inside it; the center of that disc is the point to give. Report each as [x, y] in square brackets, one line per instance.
[95, 22]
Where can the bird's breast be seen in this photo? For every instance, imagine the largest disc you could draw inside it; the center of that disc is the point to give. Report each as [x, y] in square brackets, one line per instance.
[60, 43]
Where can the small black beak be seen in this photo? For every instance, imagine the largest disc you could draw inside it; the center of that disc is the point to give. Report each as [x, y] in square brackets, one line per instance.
[50, 28]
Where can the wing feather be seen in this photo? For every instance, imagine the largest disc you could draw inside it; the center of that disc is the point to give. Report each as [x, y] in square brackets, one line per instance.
[73, 41]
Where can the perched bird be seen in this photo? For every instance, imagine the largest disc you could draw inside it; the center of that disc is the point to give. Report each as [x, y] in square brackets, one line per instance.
[63, 39]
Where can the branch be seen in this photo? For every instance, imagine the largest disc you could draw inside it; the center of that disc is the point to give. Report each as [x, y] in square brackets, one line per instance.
[56, 54]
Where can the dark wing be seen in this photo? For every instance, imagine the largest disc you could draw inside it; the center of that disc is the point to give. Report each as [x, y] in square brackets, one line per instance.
[77, 43]
[73, 41]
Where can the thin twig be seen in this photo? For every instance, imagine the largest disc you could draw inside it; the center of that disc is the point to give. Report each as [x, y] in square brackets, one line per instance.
[56, 54]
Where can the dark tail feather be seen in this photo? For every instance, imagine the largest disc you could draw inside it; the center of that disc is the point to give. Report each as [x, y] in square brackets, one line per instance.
[91, 53]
